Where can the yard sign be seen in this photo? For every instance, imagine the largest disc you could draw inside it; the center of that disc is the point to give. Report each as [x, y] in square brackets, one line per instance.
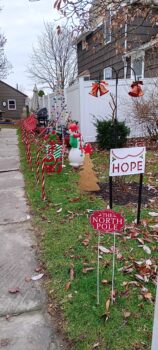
[106, 221]
[127, 161]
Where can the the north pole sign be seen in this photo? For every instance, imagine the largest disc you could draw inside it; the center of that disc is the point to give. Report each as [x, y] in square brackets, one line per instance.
[107, 221]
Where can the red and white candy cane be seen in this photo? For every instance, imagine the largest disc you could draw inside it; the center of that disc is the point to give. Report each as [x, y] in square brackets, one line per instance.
[43, 181]
[38, 164]
[29, 153]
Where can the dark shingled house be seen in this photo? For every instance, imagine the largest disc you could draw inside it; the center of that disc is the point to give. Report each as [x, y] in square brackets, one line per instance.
[12, 101]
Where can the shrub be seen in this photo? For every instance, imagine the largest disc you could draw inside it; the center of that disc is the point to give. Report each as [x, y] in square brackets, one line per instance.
[111, 134]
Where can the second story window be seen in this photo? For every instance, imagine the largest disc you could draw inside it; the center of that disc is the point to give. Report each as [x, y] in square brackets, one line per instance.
[107, 27]
[137, 63]
[12, 105]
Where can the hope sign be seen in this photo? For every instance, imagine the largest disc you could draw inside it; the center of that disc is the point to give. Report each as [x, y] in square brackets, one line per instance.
[127, 161]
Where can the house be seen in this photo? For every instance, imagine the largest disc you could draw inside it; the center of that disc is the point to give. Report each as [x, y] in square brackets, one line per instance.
[123, 49]
[12, 101]
[128, 44]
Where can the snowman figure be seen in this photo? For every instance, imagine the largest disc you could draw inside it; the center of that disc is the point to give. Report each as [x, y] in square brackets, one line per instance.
[76, 154]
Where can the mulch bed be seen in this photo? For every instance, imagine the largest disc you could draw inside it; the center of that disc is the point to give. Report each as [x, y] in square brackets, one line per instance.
[127, 193]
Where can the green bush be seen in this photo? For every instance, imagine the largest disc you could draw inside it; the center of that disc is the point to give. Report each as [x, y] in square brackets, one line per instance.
[111, 134]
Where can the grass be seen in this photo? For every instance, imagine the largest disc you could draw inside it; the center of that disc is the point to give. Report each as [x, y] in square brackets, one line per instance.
[125, 325]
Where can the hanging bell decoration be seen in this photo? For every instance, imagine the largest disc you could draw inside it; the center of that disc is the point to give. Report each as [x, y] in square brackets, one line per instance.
[136, 90]
[99, 88]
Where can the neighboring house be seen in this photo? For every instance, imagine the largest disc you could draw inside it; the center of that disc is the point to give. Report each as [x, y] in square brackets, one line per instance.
[12, 101]
[135, 46]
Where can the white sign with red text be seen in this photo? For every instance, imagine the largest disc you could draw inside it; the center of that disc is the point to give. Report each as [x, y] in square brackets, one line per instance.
[127, 161]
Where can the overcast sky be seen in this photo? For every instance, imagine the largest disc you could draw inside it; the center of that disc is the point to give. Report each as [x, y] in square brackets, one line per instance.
[22, 21]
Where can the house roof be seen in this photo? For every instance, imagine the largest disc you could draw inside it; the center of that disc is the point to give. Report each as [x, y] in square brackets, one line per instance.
[143, 47]
[2, 82]
[83, 36]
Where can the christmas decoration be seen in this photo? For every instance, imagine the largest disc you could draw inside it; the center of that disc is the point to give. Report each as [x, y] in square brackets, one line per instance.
[88, 180]
[136, 90]
[76, 154]
[99, 88]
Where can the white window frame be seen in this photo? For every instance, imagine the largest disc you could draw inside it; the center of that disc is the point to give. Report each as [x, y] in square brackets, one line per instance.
[104, 73]
[135, 56]
[105, 28]
[12, 109]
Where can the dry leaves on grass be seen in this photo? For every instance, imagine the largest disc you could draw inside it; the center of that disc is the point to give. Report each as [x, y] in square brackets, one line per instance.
[86, 241]
[67, 286]
[72, 272]
[87, 269]
[126, 314]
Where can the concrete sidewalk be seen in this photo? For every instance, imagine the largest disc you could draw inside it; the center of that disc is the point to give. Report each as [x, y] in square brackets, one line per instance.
[28, 325]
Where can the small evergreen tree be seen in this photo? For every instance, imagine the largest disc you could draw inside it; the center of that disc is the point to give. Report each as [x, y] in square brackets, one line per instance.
[111, 133]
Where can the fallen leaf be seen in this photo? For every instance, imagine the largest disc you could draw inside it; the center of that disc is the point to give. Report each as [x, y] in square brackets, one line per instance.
[67, 285]
[75, 199]
[147, 296]
[104, 250]
[72, 272]
[147, 249]
[139, 277]
[59, 210]
[126, 314]
[14, 290]
[37, 277]
[104, 282]
[153, 213]
[107, 305]
[87, 269]
[140, 240]
[95, 345]
[86, 241]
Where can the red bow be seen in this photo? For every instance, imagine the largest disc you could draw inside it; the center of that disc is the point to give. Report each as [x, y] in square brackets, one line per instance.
[99, 89]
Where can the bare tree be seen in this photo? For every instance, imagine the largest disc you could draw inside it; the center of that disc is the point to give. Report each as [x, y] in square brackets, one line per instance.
[145, 111]
[53, 62]
[5, 66]
[87, 14]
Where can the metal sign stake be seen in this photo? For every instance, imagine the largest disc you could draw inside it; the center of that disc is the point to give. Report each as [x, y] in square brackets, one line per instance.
[98, 263]
[113, 268]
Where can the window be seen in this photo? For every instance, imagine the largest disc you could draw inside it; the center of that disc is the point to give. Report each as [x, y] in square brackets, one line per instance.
[107, 28]
[107, 73]
[137, 63]
[84, 44]
[12, 105]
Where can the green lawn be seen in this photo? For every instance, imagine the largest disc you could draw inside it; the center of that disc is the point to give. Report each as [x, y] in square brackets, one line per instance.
[68, 246]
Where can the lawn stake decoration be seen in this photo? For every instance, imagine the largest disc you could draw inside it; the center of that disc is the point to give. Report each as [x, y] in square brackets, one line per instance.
[106, 221]
[127, 161]
[88, 180]
[76, 154]
[43, 180]
[99, 88]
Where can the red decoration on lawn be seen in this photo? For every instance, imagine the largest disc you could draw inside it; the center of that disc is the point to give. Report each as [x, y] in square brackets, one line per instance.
[30, 123]
[107, 221]
[99, 88]
[136, 90]
[88, 148]
[43, 181]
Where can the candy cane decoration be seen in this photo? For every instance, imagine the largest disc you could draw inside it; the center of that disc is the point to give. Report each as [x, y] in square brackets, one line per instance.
[29, 154]
[38, 165]
[43, 181]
